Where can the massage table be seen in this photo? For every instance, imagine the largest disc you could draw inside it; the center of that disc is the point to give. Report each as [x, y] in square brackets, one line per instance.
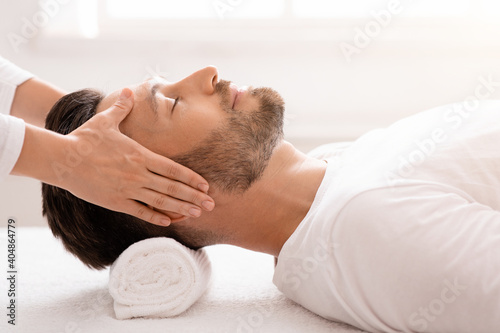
[58, 294]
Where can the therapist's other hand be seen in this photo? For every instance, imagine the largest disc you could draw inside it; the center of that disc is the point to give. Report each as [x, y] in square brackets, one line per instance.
[121, 175]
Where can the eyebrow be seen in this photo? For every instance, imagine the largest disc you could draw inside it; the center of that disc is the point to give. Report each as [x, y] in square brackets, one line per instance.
[151, 98]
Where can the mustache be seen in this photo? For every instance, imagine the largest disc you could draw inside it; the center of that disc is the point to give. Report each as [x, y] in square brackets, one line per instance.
[222, 89]
[268, 98]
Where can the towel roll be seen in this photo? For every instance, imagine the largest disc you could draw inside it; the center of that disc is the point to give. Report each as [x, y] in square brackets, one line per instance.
[158, 277]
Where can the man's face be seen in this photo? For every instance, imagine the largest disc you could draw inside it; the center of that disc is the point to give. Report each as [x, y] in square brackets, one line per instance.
[171, 118]
[225, 134]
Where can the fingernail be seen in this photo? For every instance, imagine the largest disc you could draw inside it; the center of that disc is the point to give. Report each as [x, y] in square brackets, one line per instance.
[165, 222]
[195, 212]
[126, 93]
[203, 187]
[208, 205]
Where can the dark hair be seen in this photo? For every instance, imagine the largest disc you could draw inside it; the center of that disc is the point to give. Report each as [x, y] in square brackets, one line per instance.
[97, 236]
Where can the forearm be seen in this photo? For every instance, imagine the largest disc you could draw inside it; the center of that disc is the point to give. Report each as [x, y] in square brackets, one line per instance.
[41, 149]
[34, 99]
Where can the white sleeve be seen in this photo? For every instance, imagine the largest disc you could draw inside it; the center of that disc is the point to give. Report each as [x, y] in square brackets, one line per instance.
[421, 258]
[11, 143]
[10, 77]
[11, 128]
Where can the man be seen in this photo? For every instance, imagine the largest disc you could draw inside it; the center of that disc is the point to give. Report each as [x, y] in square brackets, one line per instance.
[394, 232]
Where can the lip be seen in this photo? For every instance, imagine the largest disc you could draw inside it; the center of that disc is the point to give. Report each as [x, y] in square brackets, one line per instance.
[236, 94]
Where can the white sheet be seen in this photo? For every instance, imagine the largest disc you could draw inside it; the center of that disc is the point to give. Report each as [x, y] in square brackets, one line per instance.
[59, 294]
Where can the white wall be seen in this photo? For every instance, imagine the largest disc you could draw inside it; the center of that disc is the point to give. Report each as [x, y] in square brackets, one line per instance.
[328, 99]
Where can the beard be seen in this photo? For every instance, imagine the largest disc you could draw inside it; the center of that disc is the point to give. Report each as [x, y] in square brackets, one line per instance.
[236, 154]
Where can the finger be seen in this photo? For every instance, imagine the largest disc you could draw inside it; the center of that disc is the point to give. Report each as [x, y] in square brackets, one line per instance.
[121, 108]
[172, 170]
[179, 219]
[160, 201]
[181, 191]
[174, 217]
[147, 214]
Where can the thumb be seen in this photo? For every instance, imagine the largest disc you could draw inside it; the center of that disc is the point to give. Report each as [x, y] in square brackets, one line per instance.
[122, 107]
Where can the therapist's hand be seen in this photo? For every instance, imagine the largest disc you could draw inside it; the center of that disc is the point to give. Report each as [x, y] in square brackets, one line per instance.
[117, 173]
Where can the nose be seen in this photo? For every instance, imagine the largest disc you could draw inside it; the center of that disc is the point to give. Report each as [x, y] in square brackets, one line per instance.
[203, 80]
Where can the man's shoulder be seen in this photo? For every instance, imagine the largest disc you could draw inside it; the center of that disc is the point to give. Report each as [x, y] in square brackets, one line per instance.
[401, 201]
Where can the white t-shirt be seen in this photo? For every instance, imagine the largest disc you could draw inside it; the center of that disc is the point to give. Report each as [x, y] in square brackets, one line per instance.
[11, 128]
[404, 231]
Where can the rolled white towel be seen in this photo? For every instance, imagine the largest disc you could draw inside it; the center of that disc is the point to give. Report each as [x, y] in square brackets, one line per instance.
[158, 277]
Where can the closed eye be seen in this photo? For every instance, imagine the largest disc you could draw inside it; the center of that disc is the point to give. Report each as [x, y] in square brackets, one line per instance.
[175, 103]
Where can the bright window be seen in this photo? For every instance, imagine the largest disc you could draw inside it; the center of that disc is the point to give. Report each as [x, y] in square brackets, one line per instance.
[363, 8]
[244, 9]
[194, 9]
[90, 18]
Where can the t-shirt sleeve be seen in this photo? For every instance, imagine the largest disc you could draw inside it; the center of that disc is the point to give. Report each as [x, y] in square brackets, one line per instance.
[10, 77]
[12, 129]
[11, 143]
[421, 258]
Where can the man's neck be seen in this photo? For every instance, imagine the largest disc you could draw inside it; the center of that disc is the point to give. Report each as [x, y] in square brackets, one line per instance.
[265, 216]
